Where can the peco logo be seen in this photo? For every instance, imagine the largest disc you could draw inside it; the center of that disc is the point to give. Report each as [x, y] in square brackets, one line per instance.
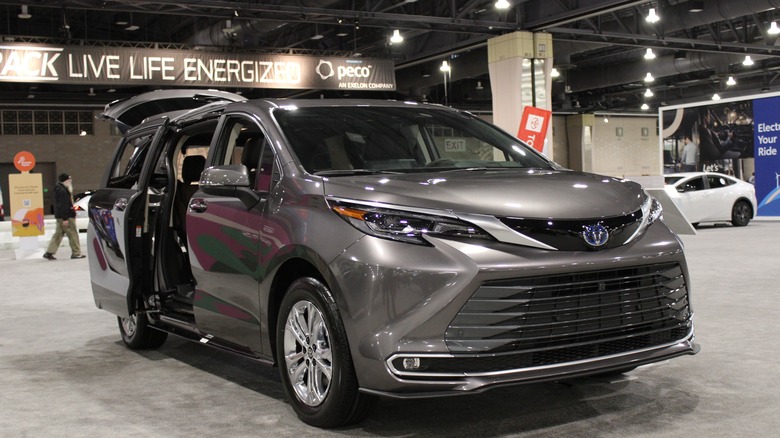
[326, 70]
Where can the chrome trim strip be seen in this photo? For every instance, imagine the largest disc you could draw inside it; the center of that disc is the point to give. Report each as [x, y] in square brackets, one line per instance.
[396, 372]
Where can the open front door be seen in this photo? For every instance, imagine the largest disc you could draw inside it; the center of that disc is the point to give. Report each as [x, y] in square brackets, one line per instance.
[118, 233]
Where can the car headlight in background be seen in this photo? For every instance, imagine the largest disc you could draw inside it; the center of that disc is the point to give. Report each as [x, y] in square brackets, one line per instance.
[405, 226]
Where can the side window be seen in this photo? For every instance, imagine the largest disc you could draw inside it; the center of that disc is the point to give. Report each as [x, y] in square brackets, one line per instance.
[717, 182]
[694, 185]
[128, 164]
[244, 143]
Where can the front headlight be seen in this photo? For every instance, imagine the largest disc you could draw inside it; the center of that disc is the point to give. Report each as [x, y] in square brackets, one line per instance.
[405, 226]
[651, 212]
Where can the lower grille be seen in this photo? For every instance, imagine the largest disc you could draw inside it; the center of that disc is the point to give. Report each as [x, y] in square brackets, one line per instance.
[554, 319]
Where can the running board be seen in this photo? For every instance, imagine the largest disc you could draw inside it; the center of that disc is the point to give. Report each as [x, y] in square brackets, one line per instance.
[189, 332]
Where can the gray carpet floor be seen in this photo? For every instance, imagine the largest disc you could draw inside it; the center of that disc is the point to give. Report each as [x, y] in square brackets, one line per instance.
[65, 373]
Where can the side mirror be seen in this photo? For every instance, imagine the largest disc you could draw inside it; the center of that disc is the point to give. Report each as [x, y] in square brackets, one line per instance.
[230, 180]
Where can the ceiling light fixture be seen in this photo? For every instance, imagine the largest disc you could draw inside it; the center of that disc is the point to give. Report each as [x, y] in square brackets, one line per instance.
[748, 61]
[554, 73]
[502, 4]
[731, 81]
[24, 14]
[696, 6]
[652, 17]
[649, 54]
[773, 29]
[645, 106]
[317, 34]
[479, 85]
[649, 78]
[648, 93]
[715, 96]
[606, 119]
[396, 38]
[445, 67]
[91, 92]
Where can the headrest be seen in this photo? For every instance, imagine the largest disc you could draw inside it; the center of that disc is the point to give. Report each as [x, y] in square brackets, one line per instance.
[251, 153]
[192, 167]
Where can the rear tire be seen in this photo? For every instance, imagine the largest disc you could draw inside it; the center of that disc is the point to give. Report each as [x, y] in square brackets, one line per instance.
[315, 362]
[137, 334]
[741, 214]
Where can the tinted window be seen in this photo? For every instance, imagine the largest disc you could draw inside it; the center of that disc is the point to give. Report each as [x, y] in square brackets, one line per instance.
[127, 167]
[718, 181]
[694, 184]
[671, 180]
[399, 139]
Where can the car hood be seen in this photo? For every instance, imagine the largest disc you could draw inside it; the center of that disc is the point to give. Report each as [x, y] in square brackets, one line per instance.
[127, 113]
[539, 194]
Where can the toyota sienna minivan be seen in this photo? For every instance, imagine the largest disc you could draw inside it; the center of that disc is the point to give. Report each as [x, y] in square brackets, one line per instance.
[373, 248]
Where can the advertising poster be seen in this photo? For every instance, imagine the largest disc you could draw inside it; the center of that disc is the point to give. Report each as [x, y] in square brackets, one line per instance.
[26, 199]
[767, 131]
[709, 137]
[737, 137]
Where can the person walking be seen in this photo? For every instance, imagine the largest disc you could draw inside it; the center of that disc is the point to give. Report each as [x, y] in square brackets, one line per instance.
[66, 220]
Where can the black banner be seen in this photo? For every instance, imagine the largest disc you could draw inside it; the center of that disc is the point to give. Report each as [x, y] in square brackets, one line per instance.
[126, 66]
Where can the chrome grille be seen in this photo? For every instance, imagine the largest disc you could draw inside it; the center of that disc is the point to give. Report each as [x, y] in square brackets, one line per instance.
[620, 310]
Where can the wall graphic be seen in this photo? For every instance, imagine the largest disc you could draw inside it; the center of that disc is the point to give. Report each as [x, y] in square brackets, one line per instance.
[722, 137]
[767, 124]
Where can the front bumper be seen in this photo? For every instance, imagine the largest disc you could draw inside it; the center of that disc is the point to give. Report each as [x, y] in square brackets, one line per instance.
[402, 301]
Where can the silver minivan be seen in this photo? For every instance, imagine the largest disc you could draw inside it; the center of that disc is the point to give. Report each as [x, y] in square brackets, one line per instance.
[373, 248]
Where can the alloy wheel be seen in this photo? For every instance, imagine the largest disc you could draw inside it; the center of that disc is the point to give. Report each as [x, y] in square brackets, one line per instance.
[307, 353]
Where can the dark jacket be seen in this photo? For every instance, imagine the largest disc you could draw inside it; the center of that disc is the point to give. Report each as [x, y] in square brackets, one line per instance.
[63, 202]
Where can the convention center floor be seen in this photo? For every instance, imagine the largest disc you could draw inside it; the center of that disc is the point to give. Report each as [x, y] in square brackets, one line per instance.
[64, 371]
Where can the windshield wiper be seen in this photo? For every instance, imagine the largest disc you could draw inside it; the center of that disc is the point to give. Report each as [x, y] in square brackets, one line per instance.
[350, 172]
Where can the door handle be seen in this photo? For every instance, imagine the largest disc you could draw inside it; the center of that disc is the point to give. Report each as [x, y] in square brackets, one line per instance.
[198, 205]
[120, 204]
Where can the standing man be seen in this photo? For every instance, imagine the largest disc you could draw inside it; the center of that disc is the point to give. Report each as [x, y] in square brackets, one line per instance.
[689, 155]
[66, 219]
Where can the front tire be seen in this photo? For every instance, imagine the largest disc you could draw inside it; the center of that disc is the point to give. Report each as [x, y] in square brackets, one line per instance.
[315, 363]
[137, 334]
[741, 214]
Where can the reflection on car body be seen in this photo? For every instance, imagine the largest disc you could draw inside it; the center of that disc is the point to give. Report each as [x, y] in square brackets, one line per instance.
[350, 243]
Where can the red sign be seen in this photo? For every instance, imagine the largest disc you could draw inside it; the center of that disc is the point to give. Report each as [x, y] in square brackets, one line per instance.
[24, 161]
[533, 127]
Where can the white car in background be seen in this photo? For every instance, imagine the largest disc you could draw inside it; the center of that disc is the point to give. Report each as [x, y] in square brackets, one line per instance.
[712, 197]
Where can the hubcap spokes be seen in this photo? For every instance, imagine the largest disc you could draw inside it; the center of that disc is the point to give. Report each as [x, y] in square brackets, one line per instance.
[307, 353]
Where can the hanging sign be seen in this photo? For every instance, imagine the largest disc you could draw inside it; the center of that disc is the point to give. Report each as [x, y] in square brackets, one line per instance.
[132, 66]
[533, 127]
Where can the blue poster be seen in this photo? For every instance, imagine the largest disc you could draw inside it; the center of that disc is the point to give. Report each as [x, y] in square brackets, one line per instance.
[766, 119]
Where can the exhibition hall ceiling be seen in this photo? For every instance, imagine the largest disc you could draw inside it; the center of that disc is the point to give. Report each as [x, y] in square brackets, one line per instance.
[600, 46]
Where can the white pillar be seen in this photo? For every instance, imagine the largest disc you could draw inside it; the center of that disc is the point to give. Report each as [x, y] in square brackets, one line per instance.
[520, 64]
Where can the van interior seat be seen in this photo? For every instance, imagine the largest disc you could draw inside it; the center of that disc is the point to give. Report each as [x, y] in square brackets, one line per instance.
[191, 168]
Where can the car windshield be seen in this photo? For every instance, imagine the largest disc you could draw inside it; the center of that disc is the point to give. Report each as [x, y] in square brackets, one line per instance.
[671, 180]
[343, 140]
